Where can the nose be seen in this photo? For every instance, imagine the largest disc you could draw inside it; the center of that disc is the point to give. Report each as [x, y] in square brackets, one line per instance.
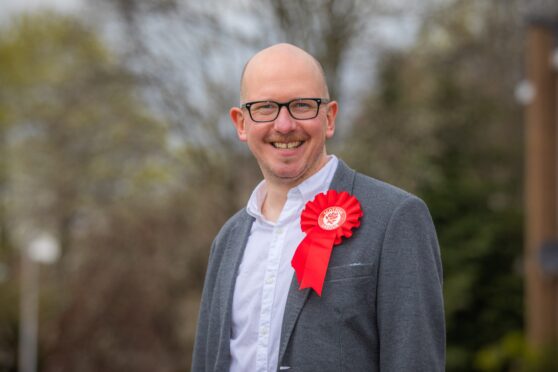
[284, 123]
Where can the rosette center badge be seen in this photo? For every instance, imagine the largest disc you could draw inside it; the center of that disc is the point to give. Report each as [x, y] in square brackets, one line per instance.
[331, 218]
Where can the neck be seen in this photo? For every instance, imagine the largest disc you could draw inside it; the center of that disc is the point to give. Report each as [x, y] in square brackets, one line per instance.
[275, 199]
[276, 195]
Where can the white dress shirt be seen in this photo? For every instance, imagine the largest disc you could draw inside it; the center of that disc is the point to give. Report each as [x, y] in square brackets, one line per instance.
[265, 275]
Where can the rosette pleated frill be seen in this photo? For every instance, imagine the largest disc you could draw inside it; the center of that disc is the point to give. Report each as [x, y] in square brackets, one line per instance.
[326, 220]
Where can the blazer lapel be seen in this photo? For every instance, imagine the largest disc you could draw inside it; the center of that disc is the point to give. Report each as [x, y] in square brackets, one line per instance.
[233, 254]
[343, 180]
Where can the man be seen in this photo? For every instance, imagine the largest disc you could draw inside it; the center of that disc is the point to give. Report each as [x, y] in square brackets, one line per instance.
[381, 305]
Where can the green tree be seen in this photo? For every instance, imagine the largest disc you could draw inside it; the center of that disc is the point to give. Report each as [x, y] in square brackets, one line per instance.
[78, 145]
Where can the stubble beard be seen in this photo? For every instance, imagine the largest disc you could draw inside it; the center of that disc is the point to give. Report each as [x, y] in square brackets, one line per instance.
[311, 167]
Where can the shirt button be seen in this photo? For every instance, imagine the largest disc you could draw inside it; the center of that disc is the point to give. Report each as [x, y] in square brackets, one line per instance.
[269, 280]
[279, 231]
[264, 331]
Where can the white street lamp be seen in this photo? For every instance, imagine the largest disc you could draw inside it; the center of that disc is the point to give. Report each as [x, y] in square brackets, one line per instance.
[42, 249]
[554, 59]
[525, 92]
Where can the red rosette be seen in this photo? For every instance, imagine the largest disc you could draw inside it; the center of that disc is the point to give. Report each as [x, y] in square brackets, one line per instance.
[325, 220]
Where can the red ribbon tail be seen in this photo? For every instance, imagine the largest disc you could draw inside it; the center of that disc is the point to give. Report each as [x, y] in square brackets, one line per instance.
[311, 259]
[299, 258]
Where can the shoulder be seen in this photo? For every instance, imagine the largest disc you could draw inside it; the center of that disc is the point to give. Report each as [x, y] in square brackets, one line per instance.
[234, 228]
[385, 205]
[367, 189]
[374, 188]
[378, 199]
[382, 195]
[240, 218]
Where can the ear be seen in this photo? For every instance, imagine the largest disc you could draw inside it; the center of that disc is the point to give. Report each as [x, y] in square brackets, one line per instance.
[331, 114]
[237, 117]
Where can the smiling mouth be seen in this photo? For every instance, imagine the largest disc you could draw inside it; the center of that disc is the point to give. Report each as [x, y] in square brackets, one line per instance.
[287, 145]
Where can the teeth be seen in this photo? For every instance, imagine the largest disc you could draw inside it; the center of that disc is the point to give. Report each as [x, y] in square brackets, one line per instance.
[289, 145]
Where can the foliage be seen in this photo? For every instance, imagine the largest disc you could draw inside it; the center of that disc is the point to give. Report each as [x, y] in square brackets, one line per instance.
[78, 146]
[513, 354]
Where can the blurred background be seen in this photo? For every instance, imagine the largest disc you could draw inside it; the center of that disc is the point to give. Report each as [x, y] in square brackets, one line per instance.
[118, 163]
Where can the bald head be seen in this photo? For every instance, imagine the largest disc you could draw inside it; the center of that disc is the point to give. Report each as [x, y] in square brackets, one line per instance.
[281, 62]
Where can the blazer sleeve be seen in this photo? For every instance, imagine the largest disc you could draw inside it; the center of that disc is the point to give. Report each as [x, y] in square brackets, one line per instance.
[409, 299]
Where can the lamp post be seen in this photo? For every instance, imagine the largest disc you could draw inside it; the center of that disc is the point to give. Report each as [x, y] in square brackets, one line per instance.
[42, 249]
[541, 170]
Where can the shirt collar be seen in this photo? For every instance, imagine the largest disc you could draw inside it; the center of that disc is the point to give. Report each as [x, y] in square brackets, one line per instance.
[318, 182]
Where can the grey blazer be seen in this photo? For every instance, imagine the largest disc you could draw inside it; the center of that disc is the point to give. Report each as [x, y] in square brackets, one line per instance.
[381, 307]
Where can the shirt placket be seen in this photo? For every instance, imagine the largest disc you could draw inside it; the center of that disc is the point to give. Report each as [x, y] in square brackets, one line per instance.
[268, 294]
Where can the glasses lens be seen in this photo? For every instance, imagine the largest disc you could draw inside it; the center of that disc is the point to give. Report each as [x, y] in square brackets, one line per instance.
[304, 108]
[264, 111]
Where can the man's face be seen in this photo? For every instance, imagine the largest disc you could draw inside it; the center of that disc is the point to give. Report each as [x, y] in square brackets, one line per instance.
[288, 150]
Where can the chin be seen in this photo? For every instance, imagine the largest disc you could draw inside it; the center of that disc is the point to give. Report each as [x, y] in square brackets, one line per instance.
[287, 175]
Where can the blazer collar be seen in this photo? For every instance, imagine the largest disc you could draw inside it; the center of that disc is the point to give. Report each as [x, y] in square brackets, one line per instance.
[343, 180]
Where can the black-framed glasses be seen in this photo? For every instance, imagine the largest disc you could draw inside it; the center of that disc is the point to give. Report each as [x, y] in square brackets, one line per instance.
[299, 109]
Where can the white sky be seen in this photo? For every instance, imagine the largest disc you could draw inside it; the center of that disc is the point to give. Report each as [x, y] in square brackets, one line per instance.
[10, 7]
